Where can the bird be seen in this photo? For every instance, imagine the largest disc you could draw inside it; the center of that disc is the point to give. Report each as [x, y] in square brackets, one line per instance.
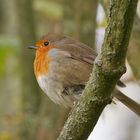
[62, 67]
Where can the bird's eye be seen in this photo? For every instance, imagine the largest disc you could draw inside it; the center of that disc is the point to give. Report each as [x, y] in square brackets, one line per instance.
[46, 43]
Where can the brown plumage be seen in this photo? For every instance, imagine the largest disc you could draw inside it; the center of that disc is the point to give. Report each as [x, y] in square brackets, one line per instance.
[62, 67]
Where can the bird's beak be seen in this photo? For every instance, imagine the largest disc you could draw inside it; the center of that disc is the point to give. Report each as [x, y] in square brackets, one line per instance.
[32, 47]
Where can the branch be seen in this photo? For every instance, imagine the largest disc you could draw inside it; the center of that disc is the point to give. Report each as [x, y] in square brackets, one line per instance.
[130, 103]
[108, 68]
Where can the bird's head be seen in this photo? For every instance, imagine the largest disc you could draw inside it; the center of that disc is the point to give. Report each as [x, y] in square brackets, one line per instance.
[47, 42]
[42, 46]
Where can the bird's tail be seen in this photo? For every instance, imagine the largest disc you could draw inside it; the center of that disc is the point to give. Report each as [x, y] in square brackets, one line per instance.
[130, 103]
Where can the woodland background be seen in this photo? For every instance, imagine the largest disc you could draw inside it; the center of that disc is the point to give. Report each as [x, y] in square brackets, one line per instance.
[25, 112]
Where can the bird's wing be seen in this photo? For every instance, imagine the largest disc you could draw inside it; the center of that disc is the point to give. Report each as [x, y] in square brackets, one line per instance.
[78, 51]
[79, 58]
[72, 70]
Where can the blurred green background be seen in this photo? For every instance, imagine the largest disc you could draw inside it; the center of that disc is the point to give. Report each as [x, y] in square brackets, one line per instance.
[25, 112]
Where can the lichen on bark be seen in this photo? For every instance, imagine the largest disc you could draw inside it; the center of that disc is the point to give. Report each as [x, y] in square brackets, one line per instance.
[108, 68]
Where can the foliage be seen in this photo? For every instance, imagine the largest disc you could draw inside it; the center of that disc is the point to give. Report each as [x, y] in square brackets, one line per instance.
[47, 9]
[7, 47]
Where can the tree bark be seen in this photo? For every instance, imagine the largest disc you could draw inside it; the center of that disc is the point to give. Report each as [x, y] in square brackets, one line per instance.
[108, 68]
[85, 21]
[2, 16]
[30, 91]
[27, 36]
[79, 23]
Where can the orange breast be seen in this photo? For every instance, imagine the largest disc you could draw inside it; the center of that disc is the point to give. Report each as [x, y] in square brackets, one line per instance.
[41, 64]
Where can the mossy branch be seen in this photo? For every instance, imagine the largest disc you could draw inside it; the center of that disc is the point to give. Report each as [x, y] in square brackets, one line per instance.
[108, 68]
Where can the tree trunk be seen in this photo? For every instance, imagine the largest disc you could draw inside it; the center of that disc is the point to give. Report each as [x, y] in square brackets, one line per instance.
[2, 16]
[30, 90]
[79, 21]
[134, 50]
[87, 25]
[108, 68]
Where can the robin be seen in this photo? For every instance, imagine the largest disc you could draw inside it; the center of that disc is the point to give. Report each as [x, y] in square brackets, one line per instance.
[62, 67]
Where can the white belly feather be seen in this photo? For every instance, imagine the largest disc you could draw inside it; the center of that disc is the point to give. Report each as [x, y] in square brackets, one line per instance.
[54, 90]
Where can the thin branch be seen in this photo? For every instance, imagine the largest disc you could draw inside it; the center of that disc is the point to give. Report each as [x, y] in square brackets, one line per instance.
[108, 68]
